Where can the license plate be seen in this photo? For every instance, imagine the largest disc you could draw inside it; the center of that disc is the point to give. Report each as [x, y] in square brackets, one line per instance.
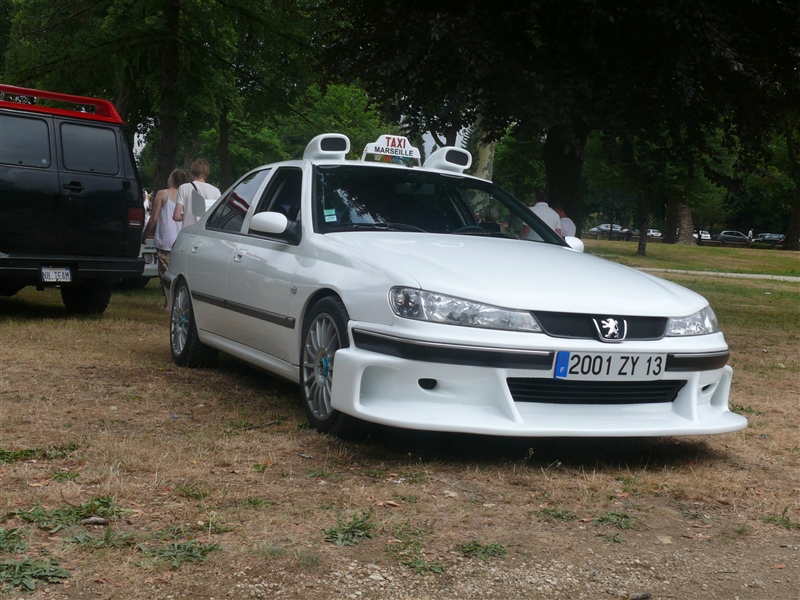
[56, 274]
[587, 366]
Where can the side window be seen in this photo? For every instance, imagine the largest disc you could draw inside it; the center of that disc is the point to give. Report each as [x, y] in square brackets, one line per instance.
[90, 149]
[24, 142]
[284, 193]
[230, 213]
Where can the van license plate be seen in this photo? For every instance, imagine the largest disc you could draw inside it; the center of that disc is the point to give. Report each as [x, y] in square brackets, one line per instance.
[56, 274]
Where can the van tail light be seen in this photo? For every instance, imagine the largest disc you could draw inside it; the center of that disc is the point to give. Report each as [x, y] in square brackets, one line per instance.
[135, 217]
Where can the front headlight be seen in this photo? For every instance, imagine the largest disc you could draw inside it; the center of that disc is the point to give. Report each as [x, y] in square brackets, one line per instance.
[700, 323]
[416, 304]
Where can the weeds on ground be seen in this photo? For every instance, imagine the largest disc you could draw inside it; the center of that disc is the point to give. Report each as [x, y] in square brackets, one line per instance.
[482, 551]
[619, 519]
[309, 560]
[11, 541]
[65, 476]
[49, 453]
[782, 520]
[192, 491]
[177, 553]
[613, 538]
[407, 546]
[745, 410]
[111, 539]
[350, 534]
[269, 551]
[24, 574]
[556, 514]
[58, 518]
[255, 502]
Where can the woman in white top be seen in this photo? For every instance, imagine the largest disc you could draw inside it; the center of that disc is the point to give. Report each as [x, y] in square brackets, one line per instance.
[161, 227]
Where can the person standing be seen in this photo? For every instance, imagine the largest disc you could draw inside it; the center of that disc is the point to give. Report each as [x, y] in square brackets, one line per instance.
[542, 210]
[567, 225]
[162, 227]
[183, 203]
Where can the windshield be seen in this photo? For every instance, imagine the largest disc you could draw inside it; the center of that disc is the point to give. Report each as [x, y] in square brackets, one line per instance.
[367, 198]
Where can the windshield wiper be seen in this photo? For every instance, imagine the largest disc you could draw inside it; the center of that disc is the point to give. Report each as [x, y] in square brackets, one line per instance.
[373, 227]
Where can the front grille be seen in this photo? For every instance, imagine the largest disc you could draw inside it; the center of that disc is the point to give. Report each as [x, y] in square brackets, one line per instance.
[559, 391]
[581, 326]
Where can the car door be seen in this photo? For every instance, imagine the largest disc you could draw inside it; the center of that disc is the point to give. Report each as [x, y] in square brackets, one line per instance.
[210, 252]
[29, 192]
[259, 285]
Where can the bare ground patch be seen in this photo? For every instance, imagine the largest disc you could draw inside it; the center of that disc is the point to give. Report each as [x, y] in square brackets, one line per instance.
[220, 460]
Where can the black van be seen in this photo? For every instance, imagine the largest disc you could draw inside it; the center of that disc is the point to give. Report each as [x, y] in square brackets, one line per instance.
[71, 209]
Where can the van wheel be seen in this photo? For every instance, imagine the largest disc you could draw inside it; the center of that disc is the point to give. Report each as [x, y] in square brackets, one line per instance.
[87, 298]
[325, 333]
[185, 345]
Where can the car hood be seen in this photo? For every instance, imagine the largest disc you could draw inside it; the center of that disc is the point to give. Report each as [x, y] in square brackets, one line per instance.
[514, 273]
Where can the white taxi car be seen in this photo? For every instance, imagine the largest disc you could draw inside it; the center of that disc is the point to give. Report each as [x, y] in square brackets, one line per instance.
[376, 286]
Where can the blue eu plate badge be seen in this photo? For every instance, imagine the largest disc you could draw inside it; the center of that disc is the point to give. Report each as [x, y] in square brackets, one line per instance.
[562, 364]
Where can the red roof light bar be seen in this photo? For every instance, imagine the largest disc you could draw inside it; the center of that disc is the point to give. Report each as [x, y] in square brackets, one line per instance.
[103, 109]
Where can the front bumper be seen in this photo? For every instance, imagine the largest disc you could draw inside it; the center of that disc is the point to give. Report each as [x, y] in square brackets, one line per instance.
[513, 393]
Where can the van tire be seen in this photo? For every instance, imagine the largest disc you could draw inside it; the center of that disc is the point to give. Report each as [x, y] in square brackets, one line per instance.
[87, 298]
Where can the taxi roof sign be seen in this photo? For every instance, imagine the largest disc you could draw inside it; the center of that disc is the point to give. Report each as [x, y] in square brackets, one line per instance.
[393, 148]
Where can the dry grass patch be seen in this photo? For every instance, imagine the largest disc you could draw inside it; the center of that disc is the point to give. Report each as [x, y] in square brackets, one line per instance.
[219, 483]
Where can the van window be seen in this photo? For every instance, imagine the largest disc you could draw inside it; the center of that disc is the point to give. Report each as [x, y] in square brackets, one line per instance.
[24, 141]
[89, 149]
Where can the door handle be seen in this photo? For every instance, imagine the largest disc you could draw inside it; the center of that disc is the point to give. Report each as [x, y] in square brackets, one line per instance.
[239, 255]
[196, 247]
[74, 186]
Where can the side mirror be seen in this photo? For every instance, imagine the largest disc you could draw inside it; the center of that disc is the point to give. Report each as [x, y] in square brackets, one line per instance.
[273, 223]
[574, 243]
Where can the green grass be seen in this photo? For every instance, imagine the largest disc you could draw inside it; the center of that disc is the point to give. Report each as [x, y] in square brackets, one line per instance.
[49, 453]
[556, 514]
[698, 258]
[781, 520]
[178, 553]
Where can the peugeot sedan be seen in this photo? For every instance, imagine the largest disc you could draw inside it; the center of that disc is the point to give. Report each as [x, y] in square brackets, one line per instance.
[372, 284]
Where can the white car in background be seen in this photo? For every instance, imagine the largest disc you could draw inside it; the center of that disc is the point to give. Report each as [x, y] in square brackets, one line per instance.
[372, 285]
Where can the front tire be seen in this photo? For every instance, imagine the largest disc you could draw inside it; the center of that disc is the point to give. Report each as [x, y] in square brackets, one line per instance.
[185, 345]
[324, 334]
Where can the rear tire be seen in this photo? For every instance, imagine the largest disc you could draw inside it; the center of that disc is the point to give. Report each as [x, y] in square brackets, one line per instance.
[324, 333]
[87, 298]
[185, 345]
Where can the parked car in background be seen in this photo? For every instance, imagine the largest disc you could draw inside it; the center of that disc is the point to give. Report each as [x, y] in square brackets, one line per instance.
[770, 238]
[654, 233]
[372, 285]
[704, 235]
[606, 227]
[732, 236]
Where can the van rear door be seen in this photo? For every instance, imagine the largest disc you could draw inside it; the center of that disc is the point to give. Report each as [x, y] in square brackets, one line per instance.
[96, 190]
[29, 185]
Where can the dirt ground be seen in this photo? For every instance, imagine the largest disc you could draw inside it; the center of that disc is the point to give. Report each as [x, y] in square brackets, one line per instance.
[221, 459]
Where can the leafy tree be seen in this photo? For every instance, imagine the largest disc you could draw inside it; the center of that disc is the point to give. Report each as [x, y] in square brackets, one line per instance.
[564, 68]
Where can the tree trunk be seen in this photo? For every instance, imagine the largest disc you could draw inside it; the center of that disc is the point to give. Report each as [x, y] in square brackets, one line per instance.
[643, 222]
[224, 150]
[671, 222]
[685, 225]
[483, 161]
[793, 232]
[563, 163]
[168, 95]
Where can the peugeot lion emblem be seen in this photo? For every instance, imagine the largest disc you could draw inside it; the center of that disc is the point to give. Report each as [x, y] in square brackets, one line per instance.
[611, 329]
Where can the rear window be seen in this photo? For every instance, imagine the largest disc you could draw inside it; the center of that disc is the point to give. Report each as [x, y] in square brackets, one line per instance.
[24, 141]
[89, 149]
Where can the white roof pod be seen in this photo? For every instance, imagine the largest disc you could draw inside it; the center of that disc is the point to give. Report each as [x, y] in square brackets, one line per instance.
[332, 146]
[449, 158]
